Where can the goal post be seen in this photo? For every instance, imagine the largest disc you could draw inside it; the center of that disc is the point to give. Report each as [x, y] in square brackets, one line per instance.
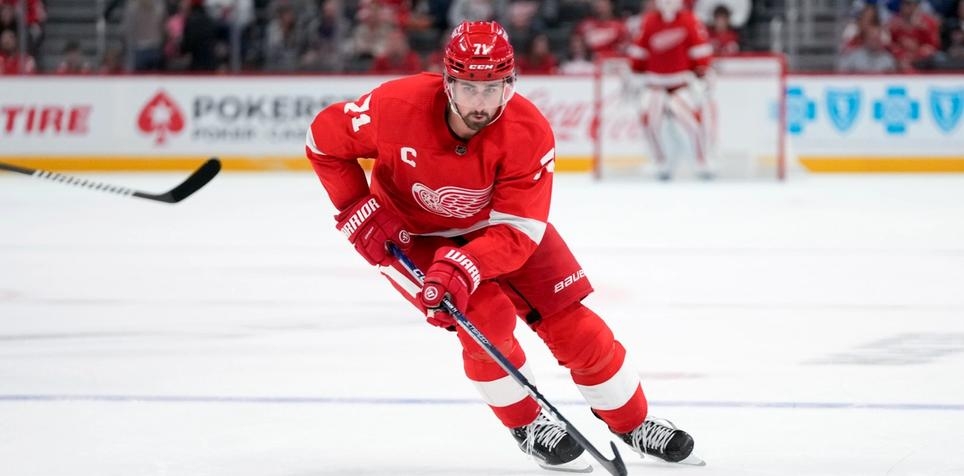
[746, 107]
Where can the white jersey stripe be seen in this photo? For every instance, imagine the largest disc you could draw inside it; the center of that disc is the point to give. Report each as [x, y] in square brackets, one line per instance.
[504, 391]
[532, 228]
[701, 51]
[548, 157]
[613, 393]
[310, 142]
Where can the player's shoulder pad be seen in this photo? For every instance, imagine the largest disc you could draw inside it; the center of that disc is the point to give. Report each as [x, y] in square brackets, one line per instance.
[521, 113]
[418, 89]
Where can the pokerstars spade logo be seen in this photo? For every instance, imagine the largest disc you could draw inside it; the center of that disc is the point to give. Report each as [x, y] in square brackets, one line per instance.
[160, 117]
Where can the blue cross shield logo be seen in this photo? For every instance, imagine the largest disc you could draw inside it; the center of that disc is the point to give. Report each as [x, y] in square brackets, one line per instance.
[946, 107]
[896, 110]
[800, 110]
[843, 105]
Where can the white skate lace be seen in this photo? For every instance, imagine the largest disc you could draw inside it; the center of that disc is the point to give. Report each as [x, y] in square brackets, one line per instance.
[653, 435]
[544, 431]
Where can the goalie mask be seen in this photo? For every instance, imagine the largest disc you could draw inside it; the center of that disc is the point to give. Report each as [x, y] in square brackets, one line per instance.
[669, 8]
[479, 70]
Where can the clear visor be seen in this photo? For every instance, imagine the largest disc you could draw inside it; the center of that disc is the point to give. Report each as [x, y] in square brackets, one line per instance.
[480, 95]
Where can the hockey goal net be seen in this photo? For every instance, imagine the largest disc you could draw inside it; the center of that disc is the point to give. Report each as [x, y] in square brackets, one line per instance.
[748, 111]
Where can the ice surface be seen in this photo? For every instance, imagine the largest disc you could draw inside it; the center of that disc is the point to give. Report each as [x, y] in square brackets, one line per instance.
[814, 327]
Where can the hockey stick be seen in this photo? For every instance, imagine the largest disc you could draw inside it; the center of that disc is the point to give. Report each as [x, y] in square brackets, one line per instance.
[192, 184]
[615, 466]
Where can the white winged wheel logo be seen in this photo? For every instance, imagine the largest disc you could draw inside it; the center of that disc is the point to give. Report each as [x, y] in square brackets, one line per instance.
[452, 201]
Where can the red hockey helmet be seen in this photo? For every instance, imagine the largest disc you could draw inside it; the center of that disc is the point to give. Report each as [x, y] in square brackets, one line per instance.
[479, 51]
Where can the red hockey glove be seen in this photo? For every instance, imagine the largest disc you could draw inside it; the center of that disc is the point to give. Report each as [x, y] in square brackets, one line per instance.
[453, 274]
[370, 226]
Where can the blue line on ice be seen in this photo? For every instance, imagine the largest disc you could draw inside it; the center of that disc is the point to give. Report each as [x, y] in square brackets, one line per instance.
[457, 401]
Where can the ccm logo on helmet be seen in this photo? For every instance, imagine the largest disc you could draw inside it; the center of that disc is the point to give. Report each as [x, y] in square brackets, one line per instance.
[481, 66]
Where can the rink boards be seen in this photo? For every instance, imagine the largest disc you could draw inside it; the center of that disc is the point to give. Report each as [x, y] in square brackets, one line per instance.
[834, 123]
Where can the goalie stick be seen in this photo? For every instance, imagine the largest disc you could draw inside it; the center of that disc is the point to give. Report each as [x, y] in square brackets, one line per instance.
[615, 466]
[192, 184]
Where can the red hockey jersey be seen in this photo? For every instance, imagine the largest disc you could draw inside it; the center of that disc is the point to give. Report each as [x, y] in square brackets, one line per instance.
[670, 51]
[493, 189]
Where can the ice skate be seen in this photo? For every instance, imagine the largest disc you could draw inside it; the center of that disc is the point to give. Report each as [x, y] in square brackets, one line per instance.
[551, 446]
[660, 438]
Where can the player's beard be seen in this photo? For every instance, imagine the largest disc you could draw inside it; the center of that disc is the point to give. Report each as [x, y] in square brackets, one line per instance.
[476, 120]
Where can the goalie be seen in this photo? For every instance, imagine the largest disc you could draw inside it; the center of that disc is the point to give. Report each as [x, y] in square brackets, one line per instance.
[671, 56]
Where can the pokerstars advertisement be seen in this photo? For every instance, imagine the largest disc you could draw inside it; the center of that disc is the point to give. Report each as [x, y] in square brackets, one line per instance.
[157, 116]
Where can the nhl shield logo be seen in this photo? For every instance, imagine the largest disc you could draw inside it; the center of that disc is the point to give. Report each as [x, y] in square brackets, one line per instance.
[843, 105]
[946, 107]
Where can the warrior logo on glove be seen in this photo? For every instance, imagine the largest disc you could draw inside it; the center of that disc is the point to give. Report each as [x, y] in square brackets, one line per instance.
[370, 227]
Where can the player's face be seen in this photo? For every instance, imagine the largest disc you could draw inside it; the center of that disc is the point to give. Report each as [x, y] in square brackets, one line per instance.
[478, 102]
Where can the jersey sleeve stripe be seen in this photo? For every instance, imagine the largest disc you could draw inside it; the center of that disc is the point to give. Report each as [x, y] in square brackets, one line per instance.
[548, 157]
[636, 52]
[701, 51]
[310, 143]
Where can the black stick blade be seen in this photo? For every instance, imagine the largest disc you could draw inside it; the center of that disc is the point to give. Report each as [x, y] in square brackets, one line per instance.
[615, 466]
[192, 184]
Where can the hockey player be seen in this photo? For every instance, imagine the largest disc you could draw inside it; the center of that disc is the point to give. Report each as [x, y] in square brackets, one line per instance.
[461, 180]
[672, 53]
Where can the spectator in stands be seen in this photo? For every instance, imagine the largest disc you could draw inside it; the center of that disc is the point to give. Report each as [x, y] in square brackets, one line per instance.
[871, 56]
[954, 39]
[112, 62]
[8, 17]
[143, 26]
[951, 23]
[370, 35]
[914, 35]
[173, 32]
[36, 18]
[538, 57]
[398, 57]
[286, 41]
[579, 59]
[867, 16]
[522, 24]
[11, 61]
[330, 33]
[725, 40]
[73, 60]
[433, 61]
[474, 10]
[200, 38]
[604, 34]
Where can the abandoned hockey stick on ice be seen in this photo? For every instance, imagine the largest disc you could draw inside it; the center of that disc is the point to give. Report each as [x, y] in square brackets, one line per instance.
[615, 466]
[192, 184]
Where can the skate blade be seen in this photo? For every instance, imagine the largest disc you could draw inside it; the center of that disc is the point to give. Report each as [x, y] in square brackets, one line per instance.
[692, 460]
[577, 465]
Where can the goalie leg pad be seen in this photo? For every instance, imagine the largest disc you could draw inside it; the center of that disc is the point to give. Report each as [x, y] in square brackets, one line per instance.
[582, 342]
[689, 115]
[653, 113]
